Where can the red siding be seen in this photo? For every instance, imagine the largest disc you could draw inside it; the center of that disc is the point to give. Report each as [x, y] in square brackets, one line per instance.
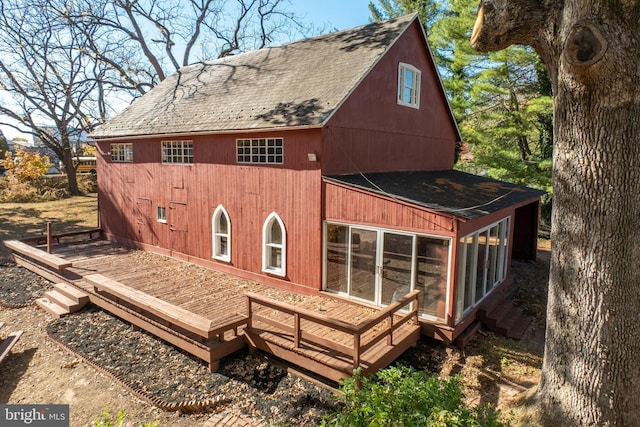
[372, 133]
[349, 205]
[130, 192]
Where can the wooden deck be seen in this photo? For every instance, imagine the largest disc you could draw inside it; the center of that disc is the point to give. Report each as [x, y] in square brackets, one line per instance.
[211, 314]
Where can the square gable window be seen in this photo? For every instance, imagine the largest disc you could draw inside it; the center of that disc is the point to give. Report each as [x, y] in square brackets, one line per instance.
[177, 152]
[408, 85]
[262, 151]
[122, 152]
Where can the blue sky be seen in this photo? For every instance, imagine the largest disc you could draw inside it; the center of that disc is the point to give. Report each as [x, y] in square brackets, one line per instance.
[333, 14]
[326, 15]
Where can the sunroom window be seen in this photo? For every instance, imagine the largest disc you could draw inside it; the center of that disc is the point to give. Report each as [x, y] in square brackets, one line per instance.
[380, 266]
[482, 264]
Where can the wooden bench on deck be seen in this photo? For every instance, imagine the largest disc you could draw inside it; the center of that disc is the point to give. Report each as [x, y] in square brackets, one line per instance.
[209, 333]
[38, 255]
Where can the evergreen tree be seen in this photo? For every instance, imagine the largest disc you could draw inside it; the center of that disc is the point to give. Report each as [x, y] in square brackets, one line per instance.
[501, 100]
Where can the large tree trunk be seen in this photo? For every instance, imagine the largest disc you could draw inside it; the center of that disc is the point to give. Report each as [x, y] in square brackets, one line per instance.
[70, 170]
[591, 370]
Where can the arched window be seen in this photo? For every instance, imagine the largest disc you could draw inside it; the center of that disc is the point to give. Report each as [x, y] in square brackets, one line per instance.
[274, 246]
[221, 234]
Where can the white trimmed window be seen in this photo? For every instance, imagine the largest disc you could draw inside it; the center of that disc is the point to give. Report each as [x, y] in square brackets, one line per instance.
[408, 85]
[177, 152]
[161, 214]
[122, 152]
[482, 264]
[221, 234]
[274, 246]
[263, 150]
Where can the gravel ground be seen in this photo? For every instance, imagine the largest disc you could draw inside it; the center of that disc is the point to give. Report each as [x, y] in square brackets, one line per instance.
[19, 287]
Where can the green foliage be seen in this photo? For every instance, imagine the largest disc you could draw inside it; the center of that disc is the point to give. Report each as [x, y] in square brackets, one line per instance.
[106, 421]
[502, 101]
[401, 396]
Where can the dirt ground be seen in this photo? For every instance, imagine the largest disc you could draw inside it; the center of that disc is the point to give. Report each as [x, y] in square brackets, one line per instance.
[493, 369]
[41, 373]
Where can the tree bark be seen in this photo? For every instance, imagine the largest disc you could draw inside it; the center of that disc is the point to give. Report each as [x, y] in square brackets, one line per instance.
[591, 369]
[70, 170]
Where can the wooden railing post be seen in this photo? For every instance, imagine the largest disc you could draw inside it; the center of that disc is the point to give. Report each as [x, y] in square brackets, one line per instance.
[249, 312]
[296, 330]
[356, 350]
[49, 238]
[390, 336]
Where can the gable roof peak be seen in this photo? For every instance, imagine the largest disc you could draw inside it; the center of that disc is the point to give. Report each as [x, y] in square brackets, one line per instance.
[298, 84]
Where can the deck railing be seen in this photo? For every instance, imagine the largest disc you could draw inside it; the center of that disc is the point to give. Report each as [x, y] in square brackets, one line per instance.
[391, 315]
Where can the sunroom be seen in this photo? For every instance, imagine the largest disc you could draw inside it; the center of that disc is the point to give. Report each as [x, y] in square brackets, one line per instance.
[449, 234]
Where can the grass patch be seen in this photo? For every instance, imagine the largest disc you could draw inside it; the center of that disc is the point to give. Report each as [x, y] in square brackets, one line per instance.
[18, 220]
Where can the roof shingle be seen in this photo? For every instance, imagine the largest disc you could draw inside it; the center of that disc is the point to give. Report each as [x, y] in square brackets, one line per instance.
[295, 85]
[458, 193]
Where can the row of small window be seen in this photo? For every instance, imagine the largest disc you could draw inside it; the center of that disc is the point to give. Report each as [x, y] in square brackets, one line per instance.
[274, 238]
[261, 150]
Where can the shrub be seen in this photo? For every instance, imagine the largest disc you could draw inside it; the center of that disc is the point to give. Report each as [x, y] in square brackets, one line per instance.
[87, 183]
[26, 192]
[106, 421]
[45, 189]
[18, 192]
[401, 396]
[26, 166]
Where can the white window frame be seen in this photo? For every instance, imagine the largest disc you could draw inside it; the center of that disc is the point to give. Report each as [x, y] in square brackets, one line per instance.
[177, 152]
[161, 214]
[504, 229]
[267, 246]
[413, 86]
[379, 261]
[265, 151]
[217, 235]
[122, 152]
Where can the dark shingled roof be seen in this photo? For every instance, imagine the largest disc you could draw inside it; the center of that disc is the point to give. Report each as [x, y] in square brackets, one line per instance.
[298, 84]
[457, 193]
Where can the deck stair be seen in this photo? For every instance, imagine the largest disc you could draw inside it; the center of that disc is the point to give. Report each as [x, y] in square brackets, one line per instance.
[504, 318]
[328, 346]
[63, 299]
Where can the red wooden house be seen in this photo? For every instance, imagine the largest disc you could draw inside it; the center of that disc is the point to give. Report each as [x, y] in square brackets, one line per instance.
[321, 165]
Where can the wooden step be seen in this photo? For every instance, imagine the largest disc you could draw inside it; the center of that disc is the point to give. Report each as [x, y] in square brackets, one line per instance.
[469, 334]
[75, 294]
[52, 308]
[497, 314]
[508, 320]
[7, 344]
[69, 304]
[519, 327]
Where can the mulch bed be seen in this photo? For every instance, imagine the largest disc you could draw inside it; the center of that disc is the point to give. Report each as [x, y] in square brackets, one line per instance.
[19, 287]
